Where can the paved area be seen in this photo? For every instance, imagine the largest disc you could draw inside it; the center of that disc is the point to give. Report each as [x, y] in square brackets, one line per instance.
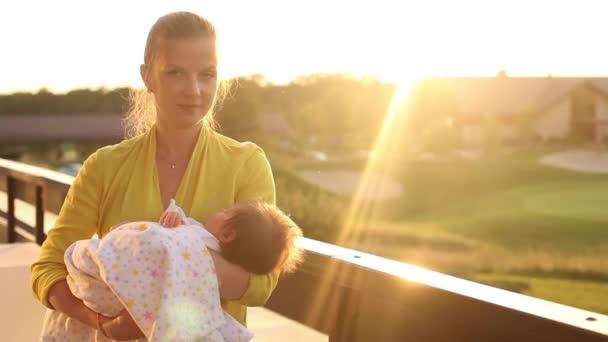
[579, 160]
[347, 183]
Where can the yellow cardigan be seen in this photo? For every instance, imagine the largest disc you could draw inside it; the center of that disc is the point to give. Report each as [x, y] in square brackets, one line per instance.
[120, 183]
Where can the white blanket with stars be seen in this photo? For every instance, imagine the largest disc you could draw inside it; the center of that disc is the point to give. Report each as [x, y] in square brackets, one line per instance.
[164, 277]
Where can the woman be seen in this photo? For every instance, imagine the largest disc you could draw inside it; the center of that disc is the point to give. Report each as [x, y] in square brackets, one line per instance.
[174, 154]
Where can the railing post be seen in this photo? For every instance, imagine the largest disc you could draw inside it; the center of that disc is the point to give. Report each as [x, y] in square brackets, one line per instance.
[10, 189]
[40, 235]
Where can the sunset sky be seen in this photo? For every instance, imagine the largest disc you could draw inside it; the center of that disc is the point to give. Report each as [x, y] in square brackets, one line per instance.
[63, 45]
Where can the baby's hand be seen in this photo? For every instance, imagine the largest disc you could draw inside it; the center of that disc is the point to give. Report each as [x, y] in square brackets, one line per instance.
[171, 219]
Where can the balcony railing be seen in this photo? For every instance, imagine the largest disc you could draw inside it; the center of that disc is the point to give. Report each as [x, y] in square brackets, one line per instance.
[354, 296]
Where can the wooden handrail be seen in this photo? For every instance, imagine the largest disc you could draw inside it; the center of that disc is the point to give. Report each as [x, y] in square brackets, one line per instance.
[44, 189]
[354, 296]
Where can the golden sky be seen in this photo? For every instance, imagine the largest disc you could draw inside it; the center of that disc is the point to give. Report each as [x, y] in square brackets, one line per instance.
[63, 44]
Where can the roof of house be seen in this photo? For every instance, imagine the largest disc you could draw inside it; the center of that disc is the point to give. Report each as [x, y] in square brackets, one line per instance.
[515, 95]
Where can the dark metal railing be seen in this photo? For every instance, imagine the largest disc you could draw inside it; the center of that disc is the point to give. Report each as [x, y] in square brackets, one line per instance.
[354, 296]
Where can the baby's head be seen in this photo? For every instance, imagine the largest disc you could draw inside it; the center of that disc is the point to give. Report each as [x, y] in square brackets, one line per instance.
[257, 236]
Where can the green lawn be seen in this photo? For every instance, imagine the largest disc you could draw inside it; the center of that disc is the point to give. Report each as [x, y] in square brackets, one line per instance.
[566, 216]
[508, 221]
[515, 204]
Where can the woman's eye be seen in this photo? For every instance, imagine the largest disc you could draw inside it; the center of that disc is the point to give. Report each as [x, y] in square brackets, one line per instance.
[174, 72]
[209, 75]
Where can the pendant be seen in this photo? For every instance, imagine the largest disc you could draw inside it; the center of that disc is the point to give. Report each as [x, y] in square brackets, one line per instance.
[172, 166]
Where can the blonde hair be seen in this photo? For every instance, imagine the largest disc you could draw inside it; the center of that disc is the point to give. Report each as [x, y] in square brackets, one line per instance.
[178, 25]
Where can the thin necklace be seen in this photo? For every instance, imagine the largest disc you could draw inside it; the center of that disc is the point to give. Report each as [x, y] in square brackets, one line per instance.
[171, 165]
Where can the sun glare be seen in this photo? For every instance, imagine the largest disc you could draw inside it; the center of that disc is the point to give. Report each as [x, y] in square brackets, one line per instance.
[380, 165]
[382, 161]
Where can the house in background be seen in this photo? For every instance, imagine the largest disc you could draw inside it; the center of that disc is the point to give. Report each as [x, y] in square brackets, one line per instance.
[549, 108]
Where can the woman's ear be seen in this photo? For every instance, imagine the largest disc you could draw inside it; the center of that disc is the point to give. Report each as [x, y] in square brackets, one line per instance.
[227, 235]
[144, 72]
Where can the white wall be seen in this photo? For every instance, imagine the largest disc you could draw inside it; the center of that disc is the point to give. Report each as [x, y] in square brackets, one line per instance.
[555, 122]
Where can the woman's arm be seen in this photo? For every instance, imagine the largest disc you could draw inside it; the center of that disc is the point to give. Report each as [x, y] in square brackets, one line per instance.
[233, 279]
[120, 328]
[62, 299]
[76, 221]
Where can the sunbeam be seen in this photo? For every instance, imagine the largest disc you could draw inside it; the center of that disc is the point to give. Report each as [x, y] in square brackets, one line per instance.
[380, 165]
[383, 160]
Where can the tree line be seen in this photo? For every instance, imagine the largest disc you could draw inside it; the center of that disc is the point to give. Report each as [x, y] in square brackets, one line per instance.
[328, 112]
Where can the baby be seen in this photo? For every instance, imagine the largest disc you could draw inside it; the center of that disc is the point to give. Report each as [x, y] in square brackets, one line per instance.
[166, 278]
[257, 236]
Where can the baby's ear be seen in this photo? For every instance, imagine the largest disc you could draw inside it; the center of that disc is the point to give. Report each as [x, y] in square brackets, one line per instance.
[227, 235]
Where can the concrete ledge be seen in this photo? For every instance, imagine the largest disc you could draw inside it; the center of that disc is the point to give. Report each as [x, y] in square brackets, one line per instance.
[21, 315]
[18, 254]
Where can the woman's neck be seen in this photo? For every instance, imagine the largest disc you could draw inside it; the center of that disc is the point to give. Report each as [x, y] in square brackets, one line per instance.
[176, 144]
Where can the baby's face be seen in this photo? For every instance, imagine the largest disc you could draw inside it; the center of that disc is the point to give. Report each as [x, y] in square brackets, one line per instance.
[216, 221]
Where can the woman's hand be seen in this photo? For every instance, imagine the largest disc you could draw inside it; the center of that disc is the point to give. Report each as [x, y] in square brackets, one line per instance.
[233, 279]
[62, 300]
[171, 219]
[120, 328]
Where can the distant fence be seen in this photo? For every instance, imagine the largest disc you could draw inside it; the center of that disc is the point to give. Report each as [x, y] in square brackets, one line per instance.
[353, 296]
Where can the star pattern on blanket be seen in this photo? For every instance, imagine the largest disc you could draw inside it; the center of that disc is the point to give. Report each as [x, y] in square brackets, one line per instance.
[131, 302]
[167, 286]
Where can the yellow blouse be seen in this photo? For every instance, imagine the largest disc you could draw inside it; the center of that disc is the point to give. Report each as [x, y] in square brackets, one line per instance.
[120, 183]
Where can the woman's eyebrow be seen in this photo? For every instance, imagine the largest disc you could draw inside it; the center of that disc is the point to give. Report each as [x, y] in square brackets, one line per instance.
[205, 67]
[173, 66]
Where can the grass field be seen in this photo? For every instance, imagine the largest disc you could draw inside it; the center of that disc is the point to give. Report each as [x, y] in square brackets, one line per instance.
[506, 221]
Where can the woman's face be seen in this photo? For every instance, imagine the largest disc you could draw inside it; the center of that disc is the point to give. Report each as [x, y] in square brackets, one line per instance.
[183, 79]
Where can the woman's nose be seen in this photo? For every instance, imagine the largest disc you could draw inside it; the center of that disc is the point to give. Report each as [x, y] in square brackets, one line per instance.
[193, 86]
